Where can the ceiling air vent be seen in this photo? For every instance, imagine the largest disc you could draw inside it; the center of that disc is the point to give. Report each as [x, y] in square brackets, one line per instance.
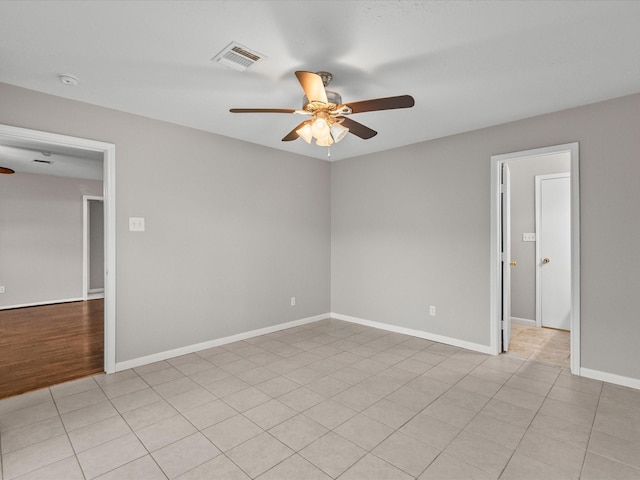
[237, 57]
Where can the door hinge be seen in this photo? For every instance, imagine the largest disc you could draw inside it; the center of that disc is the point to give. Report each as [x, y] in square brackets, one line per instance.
[501, 324]
[502, 256]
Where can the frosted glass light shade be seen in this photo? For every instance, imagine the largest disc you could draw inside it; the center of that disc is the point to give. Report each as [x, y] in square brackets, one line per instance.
[304, 133]
[338, 132]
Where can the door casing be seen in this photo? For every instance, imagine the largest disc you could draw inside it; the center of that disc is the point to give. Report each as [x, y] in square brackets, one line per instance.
[495, 276]
[108, 150]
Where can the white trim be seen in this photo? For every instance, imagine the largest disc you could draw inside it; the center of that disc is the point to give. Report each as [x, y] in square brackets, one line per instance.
[85, 246]
[611, 378]
[46, 302]
[108, 151]
[416, 333]
[523, 321]
[494, 278]
[157, 357]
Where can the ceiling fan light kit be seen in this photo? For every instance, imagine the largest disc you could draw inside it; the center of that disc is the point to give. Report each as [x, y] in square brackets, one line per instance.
[329, 124]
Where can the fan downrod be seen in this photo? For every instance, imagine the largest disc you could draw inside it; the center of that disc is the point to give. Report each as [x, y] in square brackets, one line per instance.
[326, 77]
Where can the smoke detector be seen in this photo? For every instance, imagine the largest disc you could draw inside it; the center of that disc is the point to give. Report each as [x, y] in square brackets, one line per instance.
[237, 57]
[68, 80]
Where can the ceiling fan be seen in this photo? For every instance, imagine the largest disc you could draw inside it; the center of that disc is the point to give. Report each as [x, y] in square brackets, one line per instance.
[328, 122]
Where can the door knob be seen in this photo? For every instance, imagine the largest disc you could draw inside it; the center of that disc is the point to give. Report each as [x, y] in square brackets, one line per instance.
[546, 260]
[513, 264]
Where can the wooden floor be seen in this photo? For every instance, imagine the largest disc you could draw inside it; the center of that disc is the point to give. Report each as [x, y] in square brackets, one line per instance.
[45, 345]
[544, 345]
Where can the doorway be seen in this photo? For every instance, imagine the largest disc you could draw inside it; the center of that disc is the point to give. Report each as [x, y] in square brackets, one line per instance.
[92, 247]
[504, 263]
[16, 136]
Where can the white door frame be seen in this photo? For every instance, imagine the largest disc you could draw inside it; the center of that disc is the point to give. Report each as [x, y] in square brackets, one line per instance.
[495, 262]
[538, 203]
[86, 265]
[108, 151]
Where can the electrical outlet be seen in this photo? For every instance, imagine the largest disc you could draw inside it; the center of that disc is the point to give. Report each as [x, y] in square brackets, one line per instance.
[136, 224]
[432, 310]
[293, 301]
[1, 288]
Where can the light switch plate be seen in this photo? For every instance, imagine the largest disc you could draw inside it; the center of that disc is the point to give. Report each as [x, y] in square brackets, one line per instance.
[528, 237]
[136, 224]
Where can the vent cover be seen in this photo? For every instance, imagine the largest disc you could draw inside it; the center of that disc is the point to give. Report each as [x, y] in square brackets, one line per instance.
[237, 57]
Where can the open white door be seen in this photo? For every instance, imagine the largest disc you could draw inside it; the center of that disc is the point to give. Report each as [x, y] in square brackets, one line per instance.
[553, 251]
[506, 257]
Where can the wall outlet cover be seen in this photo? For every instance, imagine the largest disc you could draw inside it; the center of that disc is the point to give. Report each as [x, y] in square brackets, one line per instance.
[528, 237]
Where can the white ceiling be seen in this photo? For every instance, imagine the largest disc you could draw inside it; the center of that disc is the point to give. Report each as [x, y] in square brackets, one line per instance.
[468, 64]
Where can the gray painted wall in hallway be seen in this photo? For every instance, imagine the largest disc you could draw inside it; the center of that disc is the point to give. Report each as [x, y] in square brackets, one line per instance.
[410, 228]
[523, 220]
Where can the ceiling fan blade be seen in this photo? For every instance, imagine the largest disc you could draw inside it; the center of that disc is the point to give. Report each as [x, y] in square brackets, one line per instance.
[312, 86]
[6, 170]
[358, 129]
[262, 110]
[293, 135]
[387, 103]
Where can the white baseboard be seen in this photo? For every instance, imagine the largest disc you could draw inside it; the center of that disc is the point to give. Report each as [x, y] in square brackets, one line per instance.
[38, 304]
[523, 321]
[610, 378]
[157, 357]
[416, 333]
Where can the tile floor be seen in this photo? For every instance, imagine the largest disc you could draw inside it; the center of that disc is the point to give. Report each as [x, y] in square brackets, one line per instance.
[326, 400]
[544, 345]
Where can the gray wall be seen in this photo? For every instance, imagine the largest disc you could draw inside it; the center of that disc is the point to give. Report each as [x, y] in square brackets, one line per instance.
[523, 220]
[41, 237]
[96, 244]
[233, 230]
[410, 228]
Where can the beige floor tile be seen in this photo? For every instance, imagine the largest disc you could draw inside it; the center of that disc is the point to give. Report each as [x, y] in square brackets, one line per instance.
[390, 413]
[562, 430]
[185, 455]
[479, 452]
[259, 454]
[232, 432]
[142, 468]
[364, 431]
[88, 415]
[298, 432]
[294, 468]
[34, 433]
[446, 467]
[191, 399]
[431, 431]
[28, 415]
[134, 400]
[406, 453]
[332, 454]
[330, 414]
[98, 433]
[246, 399]
[277, 386]
[219, 467]
[67, 469]
[209, 414]
[558, 454]
[165, 432]
[597, 467]
[270, 414]
[615, 448]
[521, 467]
[502, 433]
[110, 455]
[374, 468]
[149, 414]
[36, 456]
[301, 399]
